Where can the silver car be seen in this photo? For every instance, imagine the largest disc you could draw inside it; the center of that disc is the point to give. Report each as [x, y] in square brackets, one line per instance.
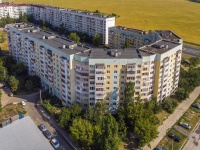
[42, 127]
[185, 125]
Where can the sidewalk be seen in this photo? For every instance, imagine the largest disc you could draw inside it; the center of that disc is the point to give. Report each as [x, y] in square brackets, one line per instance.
[62, 132]
[173, 118]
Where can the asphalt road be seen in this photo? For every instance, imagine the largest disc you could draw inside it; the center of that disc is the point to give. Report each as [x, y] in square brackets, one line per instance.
[35, 115]
[191, 51]
[194, 140]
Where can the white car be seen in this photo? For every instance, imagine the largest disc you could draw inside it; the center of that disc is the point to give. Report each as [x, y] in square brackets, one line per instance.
[23, 103]
[55, 143]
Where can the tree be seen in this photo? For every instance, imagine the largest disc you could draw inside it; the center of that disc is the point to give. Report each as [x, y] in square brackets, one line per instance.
[0, 101]
[29, 85]
[82, 132]
[19, 69]
[169, 104]
[97, 40]
[14, 83]
[109, 139]
[128, 102]
[75, 110]
[127, 43]
[74, 37]
[182, 94]
[64, 117]
[3, 73]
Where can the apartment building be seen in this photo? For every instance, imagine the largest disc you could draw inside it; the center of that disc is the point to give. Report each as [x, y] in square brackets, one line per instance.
[137, 38]
[72, 20]
[80, 74]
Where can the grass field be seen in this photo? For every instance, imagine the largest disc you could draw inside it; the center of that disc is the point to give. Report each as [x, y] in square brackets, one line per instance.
[10, 111]
[4, 45]
[180, 16]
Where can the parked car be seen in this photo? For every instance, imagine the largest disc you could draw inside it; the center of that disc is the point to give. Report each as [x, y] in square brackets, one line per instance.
[23, 103]
[185, 125]
[174, 137]
[48, 134]
[55, 143]
[42, 127]
[197, 105]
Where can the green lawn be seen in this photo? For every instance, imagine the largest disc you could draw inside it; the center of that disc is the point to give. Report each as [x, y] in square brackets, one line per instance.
[180, 16]
[166, 143]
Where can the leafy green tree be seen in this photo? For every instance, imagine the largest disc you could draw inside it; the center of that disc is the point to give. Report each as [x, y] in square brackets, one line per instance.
[82, 132]
[64, 117]
[127, 43]
[97, 40]
[169, 104]
[74, 37]
[122, 126]
[75, 110]
[47, 105]
[3, 73]
[145, 130]
[14, 83]
[8, 62]
[0, 101]
[109, 138]
[182, 93]
[19, 69]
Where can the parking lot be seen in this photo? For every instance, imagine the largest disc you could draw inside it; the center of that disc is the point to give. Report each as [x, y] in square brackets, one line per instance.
[33, 112]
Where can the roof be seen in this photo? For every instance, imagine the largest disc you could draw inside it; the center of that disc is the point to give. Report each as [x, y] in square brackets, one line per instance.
[50, 39]
[98, 53]
[159, 47]
[168, 35]
[23, 134]
[131, 30]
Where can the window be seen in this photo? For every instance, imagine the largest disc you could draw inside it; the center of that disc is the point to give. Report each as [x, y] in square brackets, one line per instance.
[138, 71]
[139, 66]
[107, 82]
[122, 77]
[108, 77]
[122, 82]
[115, 66]
[107, 99]
[115, 82]
[123, 66]
[107, 88]
[91, 88]
[108, 71]
[108, 66]
[115, 77]
[115, 71]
